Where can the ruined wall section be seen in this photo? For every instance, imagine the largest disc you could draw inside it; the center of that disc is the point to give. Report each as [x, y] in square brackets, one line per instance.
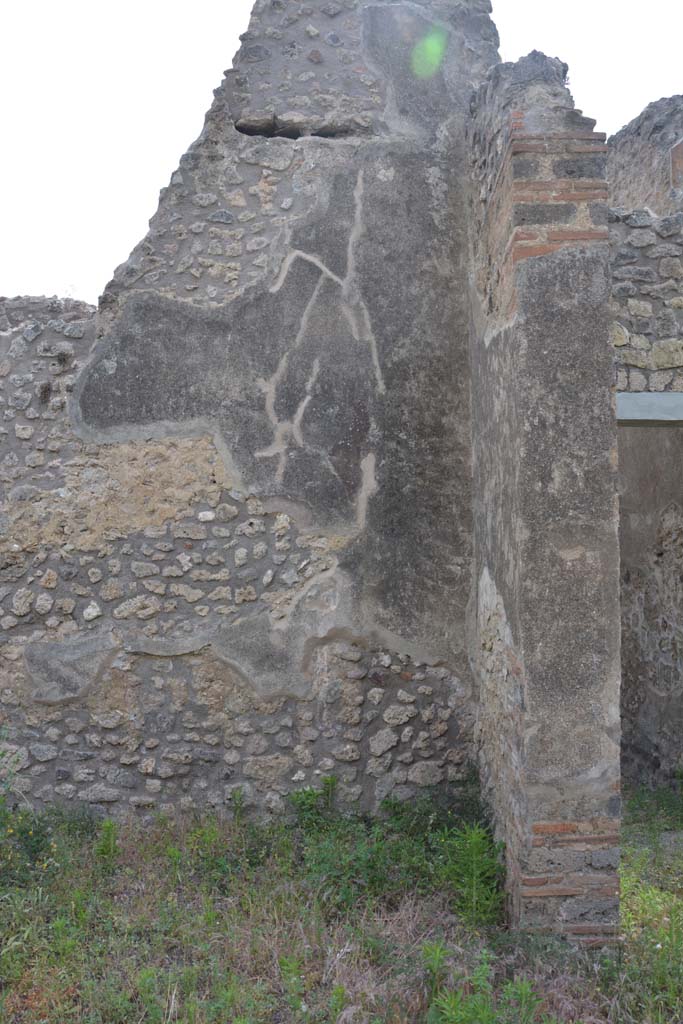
[118, 564]
[267, 560]
[647, 338]
[304, 71]
[645, 165]
[545, 617]
[316, 218]
[647, 300]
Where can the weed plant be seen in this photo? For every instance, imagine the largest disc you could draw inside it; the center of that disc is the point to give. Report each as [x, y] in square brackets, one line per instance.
[475, 1000]
[322, 919]
[645, 978]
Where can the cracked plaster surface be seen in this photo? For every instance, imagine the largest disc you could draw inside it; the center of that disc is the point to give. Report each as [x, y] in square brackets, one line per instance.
[288, 341]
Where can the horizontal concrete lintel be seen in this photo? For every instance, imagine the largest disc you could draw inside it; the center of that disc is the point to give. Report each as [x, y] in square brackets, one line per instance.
[649, 407]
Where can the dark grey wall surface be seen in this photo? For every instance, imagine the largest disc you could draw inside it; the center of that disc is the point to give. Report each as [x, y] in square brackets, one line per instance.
[651, 535]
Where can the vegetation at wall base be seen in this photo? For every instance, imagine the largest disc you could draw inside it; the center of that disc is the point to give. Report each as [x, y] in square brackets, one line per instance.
[323, 919]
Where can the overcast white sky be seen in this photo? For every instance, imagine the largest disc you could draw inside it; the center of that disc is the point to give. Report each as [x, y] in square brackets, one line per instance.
[99, 101]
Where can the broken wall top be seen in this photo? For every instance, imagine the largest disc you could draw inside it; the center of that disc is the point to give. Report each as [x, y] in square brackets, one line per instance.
[323, 68]
[645, 166]
[346, 71]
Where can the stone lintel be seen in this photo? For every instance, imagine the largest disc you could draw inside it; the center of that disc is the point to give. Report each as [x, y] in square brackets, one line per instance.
[644, 407]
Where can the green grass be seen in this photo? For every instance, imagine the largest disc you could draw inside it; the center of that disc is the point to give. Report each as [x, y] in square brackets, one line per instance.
[324, 919]
[645, 979]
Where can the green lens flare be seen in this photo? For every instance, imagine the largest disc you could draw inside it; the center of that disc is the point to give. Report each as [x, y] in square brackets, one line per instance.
[428, 54]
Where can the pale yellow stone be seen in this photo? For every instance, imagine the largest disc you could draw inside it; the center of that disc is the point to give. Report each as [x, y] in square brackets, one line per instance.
[618, 335]
[637, 307]
[631, 357]
[667, 353]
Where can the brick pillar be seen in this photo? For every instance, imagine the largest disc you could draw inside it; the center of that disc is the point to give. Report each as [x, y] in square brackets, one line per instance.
[559, 194]
[547, 626]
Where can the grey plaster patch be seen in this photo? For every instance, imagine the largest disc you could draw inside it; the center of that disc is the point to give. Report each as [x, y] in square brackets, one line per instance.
[287, 411]
[64, 672]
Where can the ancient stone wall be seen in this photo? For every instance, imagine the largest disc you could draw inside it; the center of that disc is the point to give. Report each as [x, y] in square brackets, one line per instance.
[328, 483]
[236, 530]
[647, 336]
[545, 612]
[645, 166]
[647, 299]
